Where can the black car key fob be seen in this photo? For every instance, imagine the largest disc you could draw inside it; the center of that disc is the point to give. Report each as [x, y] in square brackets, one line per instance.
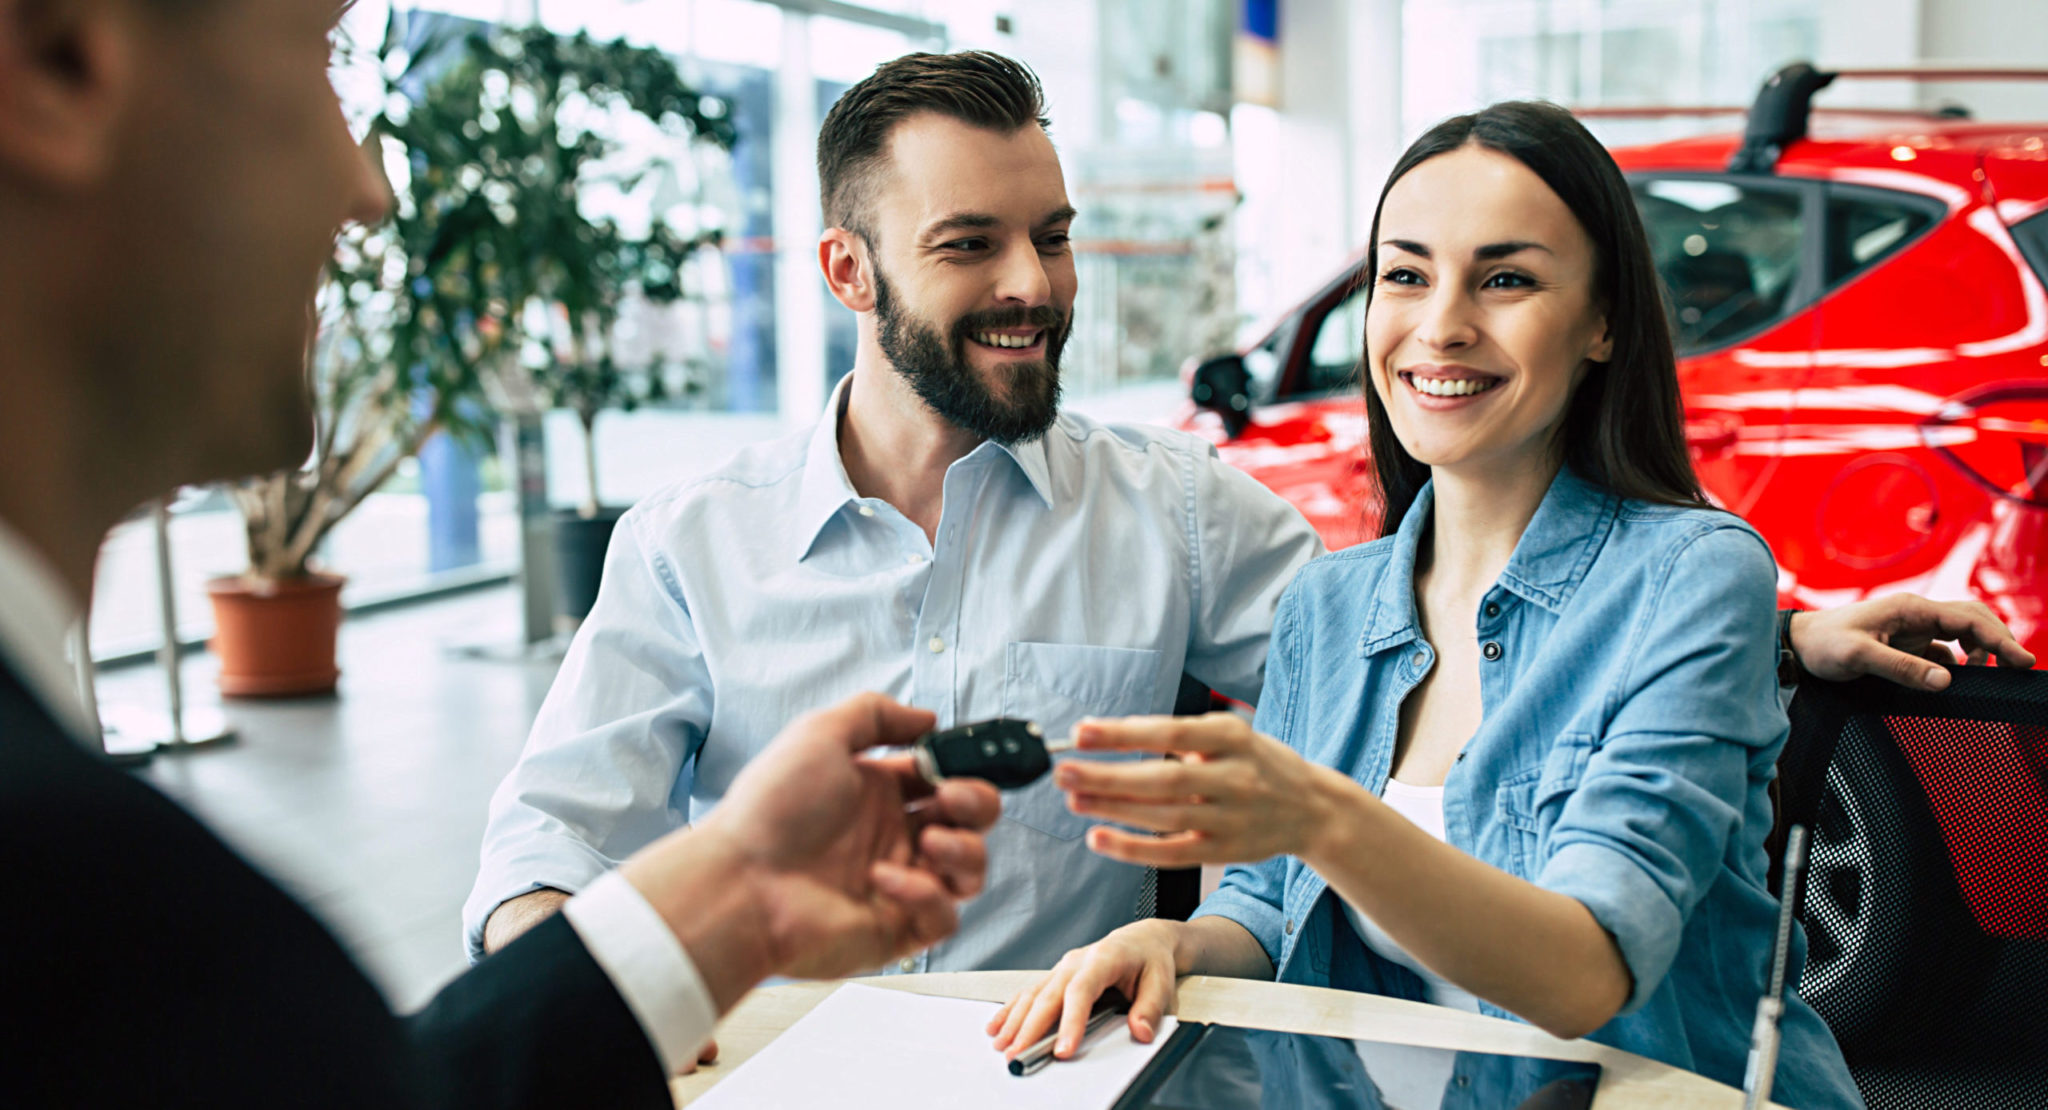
[1006, 752]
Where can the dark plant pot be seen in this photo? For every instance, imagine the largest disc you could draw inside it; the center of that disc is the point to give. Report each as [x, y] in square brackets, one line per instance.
[276, 639]
[580, 544]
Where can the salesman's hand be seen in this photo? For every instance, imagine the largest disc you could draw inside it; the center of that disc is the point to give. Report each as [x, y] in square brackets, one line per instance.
[1233, 796]
[1898, 636]
[819, 862]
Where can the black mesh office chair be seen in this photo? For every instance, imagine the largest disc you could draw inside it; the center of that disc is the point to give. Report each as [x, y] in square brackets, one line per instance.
[1927, 936]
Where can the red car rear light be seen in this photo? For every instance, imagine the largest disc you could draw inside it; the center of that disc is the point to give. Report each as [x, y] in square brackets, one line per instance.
[1998, 437]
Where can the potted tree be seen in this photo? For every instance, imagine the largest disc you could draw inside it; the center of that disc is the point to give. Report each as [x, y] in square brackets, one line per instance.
[428, 319]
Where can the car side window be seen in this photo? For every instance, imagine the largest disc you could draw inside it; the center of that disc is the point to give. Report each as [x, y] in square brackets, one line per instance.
[1729, 254]
[2032, 236]
[1338, 349]
[1865, 227]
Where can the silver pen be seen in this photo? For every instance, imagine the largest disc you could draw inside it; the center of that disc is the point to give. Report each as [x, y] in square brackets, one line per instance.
[1763, 1039]
[1040, 1054]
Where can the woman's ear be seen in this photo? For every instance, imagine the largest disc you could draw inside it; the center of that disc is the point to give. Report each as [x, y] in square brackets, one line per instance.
[1602, 349]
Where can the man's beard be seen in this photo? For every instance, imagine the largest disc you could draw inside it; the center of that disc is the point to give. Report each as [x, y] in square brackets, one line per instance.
[937, 368]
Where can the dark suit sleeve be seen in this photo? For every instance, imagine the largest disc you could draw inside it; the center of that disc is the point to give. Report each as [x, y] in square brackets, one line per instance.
[142, 963]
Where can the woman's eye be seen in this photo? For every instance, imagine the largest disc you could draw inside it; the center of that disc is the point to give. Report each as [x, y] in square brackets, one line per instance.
[1508, 280]
[1401, 275]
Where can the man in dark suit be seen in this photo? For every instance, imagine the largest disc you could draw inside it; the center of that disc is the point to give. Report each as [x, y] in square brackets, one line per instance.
[172, 173]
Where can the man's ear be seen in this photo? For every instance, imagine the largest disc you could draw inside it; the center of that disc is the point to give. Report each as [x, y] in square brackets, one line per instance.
[849, 271]
[67, 68]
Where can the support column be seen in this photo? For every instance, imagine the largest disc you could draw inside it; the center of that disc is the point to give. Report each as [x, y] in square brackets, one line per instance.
[799, 292]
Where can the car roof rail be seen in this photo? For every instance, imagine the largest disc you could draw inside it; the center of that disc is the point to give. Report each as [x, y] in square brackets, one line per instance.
[1785, 104]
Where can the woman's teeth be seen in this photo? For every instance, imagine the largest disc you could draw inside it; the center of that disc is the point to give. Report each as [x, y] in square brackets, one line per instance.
[990, 339]
[1453, 387]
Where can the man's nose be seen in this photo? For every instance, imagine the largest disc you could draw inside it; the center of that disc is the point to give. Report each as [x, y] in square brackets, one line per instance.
[1022, 279]
[369, 192]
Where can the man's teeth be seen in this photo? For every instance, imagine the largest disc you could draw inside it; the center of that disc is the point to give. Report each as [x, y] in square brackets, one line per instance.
[1454, 387]
[993, 340]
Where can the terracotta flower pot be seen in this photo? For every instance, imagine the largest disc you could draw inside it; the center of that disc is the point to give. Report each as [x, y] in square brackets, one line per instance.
[276, 639]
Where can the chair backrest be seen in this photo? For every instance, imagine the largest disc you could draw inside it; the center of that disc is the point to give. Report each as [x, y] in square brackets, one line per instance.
[1925, 903]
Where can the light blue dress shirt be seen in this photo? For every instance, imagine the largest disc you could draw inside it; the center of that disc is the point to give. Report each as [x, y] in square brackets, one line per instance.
[1630, 731]
[1076, 575]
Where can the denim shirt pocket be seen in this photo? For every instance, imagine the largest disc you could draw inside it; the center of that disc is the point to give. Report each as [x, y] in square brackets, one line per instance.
[1056, 685]
[1531, 799]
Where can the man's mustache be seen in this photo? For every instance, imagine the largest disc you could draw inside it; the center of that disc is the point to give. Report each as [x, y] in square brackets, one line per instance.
[1043, 316]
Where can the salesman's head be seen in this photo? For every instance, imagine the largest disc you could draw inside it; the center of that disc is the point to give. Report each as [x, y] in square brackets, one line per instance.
[172, 174]
[946, 229]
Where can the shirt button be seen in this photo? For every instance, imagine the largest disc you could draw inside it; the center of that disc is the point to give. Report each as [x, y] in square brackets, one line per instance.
[1491, 650]
[937, 645]
[1493, 608]
[867, 510]
[907, 964]
[1421, 657]
[1290, 926]
[1464, 1081]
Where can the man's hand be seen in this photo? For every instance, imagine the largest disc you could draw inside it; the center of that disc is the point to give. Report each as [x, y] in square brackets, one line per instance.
[1899, 636]
[817, 862]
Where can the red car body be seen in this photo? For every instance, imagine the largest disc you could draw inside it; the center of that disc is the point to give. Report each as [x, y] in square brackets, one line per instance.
[1866, 383]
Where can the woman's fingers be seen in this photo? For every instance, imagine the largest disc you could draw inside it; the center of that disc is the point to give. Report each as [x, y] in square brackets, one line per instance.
[1211, 734]
[1179, 850]
[1155, 780]
[1165, 818]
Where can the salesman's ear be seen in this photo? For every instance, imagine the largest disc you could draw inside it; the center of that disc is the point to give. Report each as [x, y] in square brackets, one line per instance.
[67, 72]
[849, 268]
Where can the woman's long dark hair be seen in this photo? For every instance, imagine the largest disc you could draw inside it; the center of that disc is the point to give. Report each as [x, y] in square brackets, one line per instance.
[1624, 428]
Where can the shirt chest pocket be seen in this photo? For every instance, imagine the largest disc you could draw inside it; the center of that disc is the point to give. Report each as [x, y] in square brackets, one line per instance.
[1057, 685]
[1531, 800]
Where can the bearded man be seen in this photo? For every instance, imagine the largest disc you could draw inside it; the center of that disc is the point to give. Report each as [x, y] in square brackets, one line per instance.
[945, 535]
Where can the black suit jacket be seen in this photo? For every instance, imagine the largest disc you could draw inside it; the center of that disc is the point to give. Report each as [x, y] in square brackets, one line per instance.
[143, 964]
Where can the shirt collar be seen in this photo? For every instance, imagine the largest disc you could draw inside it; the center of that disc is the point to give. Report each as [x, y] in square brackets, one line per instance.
[826, 489]
[1549, 561]
[37, 614]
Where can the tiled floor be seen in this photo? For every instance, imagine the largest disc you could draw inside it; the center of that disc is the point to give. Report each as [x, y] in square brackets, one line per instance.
[370, 805]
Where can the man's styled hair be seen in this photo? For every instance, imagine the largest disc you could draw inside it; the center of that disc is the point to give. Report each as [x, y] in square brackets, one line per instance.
[976, 87]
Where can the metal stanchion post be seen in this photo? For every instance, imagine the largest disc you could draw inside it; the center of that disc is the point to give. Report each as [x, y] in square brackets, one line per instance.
[138, 728]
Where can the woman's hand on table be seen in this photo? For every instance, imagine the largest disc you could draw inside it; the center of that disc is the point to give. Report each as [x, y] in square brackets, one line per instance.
[1233, 796]
[1137, 959]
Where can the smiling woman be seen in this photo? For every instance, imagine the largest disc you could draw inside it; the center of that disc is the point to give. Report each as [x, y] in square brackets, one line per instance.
[1514, 755]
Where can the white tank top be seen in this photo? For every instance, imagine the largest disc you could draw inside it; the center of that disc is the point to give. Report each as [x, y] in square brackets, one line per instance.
[1410, 1076]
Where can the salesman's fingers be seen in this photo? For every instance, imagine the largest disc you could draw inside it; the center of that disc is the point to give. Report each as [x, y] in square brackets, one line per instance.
[969, 803]
[928, 907]
[1210, 734]
[709, 1053]
[1179, 850]
[871, 720]
[960, 859]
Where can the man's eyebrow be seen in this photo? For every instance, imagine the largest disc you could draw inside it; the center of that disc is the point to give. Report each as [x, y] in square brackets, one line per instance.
[957, 221]
[1487, 253]
[1059, 215]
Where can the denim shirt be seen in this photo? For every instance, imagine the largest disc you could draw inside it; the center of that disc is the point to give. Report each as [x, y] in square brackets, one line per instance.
[1630, 729]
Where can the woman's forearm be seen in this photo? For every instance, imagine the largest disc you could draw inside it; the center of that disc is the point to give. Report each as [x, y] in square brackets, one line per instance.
[1218, 946]
[1535, 953]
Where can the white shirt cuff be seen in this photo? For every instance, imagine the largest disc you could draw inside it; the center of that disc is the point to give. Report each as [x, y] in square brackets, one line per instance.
[648, 965]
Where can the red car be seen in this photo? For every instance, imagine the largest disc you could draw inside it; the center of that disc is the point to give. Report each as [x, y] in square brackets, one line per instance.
[1862, 332]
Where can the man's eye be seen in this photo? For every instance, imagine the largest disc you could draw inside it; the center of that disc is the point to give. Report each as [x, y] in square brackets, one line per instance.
[975, 244]
[1056, 242]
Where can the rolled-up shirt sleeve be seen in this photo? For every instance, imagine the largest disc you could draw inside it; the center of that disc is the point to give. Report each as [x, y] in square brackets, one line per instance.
[598, 777]
[1248, 544]
[1696, 727]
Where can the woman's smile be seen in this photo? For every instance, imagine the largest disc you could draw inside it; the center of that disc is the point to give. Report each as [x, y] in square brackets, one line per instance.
[1444, 388]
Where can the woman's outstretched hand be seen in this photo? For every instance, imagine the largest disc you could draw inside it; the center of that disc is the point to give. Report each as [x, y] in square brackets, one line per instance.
[1233, 796]
[1136, 959]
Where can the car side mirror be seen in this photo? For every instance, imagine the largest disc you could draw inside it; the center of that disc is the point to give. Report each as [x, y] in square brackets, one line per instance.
[1223, 386]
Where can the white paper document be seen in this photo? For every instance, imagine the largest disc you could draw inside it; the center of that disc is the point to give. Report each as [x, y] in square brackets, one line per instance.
[870, 1047]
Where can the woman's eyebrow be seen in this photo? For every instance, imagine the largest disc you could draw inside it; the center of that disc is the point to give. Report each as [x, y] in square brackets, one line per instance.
[1492, 251]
